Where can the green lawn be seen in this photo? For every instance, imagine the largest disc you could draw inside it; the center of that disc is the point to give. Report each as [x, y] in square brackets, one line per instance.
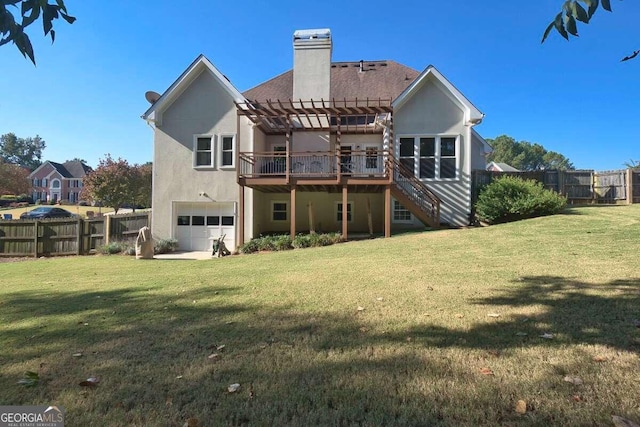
[380, 332]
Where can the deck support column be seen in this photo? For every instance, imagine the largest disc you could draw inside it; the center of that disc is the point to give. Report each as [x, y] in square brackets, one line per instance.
[387, 211]
[240, 241]
[293, 212]
[345, 205]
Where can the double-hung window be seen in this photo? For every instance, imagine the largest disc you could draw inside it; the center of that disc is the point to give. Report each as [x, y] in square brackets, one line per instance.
[227, 150]
[211, 151]
[339, 210]
[203, 153]
[278, 211]
[430, 157]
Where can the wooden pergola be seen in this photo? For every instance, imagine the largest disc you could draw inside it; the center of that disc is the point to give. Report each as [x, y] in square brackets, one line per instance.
[336, 116]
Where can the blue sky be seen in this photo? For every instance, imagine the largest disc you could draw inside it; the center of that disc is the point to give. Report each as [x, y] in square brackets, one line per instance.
[86, 95]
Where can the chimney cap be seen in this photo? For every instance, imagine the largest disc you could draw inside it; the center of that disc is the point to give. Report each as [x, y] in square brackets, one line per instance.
[320, 33]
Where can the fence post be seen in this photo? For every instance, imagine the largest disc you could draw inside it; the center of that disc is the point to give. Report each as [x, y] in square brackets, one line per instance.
[79, 237]
[629, 184]
[35, 239]
[107, 228]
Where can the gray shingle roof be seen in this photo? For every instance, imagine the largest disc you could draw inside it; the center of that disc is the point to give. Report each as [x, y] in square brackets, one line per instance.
[71, 169]
[380, 79]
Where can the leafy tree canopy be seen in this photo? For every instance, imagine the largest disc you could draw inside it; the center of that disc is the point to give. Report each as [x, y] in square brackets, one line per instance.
[525, 155]
[77, 159]
[14, 179]
[17, 15]
[116, 183]
[25, 152]
[566, 21]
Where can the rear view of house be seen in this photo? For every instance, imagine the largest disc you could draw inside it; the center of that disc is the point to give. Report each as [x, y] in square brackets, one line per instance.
[353, 147]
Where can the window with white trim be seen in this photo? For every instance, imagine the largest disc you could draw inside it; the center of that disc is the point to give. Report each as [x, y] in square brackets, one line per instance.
[400, 213]
[278, 211]
[339, 211]
[203, 151]
[430, 157]
[55, 183]
[227, 150]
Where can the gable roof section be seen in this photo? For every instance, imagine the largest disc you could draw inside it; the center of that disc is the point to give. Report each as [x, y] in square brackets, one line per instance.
[485, 145]
[471, 114]
[378, 80]
[501, 167]
[70, 170]
[200, 64]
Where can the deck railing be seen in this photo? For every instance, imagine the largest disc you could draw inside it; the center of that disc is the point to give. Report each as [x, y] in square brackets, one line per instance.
[416, 191]
[320, 164]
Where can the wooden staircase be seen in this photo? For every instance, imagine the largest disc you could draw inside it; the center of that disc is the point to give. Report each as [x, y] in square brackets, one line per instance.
[414, 195]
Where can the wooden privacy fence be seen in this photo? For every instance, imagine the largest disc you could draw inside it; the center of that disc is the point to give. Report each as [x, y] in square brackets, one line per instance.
[579, 187]
[67, 236]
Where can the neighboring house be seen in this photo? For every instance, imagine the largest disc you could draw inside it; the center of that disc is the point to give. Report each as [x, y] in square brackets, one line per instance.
[501, 167]
[353, 147]
[53, 181]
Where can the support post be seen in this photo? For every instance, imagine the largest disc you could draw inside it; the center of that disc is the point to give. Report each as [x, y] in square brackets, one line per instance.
[369, 217]
[79, 237]
[240, 241]
[107, 228]
[345, 205]
[312, 228]
[387, 211]
[629, 186]
[35, 239]
[338, 142]
[293, 212]
[288, 150]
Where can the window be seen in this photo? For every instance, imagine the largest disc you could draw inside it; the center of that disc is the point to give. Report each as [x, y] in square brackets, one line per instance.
[371, 158]
[45, 182]
[407, 153]
[448, 157]
[213, 220]
[197, 220]
[436, 157]
[55, 183]
[228, 220]
[427, 157]
[278, 211]
[184, 220]
[349, 211]
[400, 213]
[203, 153]
[227, 151]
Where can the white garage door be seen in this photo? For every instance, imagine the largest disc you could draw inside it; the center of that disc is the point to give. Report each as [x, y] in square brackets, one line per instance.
[197, 225]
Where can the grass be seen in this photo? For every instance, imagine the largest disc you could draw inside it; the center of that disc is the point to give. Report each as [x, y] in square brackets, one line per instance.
[305, 354]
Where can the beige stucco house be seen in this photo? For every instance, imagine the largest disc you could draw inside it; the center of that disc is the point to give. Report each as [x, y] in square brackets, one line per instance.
[354, 147]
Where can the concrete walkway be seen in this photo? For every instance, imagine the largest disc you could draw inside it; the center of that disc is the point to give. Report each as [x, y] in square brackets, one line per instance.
[196, 255]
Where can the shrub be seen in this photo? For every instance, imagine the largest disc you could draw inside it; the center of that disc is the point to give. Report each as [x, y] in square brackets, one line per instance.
[282, 242]
[302, 241]
[114, 248]
[164, 246]
[511, 198]
[250, 247]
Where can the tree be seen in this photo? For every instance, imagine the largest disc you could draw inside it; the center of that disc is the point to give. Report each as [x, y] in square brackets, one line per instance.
[14, 179]
[144, 176]
[566, 22]
[25, 152]
[30, 10]
[77, 159]
[632, 164]
[525, 155]
[116, 183]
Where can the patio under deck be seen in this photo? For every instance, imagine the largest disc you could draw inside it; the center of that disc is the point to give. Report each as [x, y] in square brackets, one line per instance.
[341, 171]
